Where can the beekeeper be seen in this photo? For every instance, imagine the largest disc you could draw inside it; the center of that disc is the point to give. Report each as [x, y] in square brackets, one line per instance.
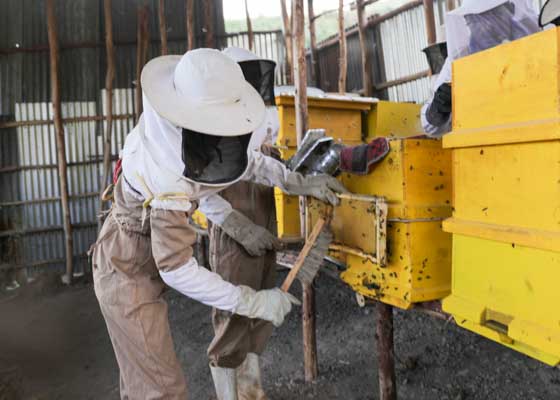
[238, 340]
[190, 143]
[475, 26]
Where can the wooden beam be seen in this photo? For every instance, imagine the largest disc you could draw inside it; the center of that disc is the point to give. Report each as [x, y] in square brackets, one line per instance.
[209, 23]
[60, 142]
[385, 352]
[189, 18]
[315, 66]
[142, 38]
[109, 79]
[343, 55]
[430, 21]
[450, 5]
[309, 334]
[249, 27]
[367, 73]
[289, 45]
[162, 27]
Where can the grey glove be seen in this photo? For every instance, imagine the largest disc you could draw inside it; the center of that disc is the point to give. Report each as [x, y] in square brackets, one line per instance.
[322, 187]
[440, 110]
[271, 305]
[254, 238]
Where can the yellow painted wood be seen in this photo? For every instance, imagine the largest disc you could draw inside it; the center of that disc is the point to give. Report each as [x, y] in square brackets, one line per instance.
[509, 84]
[390, 119]
[415, 179]
[508, 294]
[287, 214]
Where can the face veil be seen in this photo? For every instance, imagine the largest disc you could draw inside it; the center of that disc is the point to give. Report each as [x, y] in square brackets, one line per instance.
[214, 159]
[260, 74]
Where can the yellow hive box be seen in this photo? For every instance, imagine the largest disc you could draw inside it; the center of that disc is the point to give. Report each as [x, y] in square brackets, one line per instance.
[506, 194]
[415, 180]
[390, 119]
[342, 120]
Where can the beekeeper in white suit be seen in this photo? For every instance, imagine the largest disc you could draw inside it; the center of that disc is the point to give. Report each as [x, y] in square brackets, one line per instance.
[475, 26]
[190, 143]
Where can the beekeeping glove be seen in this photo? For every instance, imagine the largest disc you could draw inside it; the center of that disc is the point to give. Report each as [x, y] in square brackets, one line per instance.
[439, 111]
[271, 305]
[322, 187]
[254, 238]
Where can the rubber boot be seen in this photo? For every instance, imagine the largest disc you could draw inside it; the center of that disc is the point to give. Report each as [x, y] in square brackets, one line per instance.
[249, 385]
[225, 382]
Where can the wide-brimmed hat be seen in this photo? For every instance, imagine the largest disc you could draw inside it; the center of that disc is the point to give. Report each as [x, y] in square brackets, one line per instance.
[204, 91]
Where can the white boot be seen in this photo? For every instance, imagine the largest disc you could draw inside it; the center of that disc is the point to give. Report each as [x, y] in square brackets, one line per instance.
[225, 382]
[249, 385]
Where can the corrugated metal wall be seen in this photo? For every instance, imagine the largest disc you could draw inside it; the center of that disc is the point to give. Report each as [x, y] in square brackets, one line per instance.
[396, 44]
[31, 233]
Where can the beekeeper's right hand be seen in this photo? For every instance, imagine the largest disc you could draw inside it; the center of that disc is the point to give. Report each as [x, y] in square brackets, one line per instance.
[270, 305]
[254, 238]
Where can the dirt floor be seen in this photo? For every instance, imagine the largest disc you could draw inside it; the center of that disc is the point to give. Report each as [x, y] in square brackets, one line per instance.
[57, 339]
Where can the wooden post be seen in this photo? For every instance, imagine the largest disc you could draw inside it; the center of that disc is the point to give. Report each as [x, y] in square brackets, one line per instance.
[249, 26]
[209, 23]
[430, 21]
[189, 18]
[143, 36]
[343, 56]
[289, 46]
[300, 74]
[162, 27]
[315, 66]
[60, 143]
[367, 76]
[450, 5]
[385, 352]
[109, 79]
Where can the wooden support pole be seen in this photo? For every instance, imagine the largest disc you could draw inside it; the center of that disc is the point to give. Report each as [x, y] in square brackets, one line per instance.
[143, 36]
[189, 18]
[109, 79]
[60, 142]
[209, 23]
[315, 66]
[430, 21]
[385, 352]
[289, 45]
[249, 26]
[367, 74]
[450, 5]
[309, 333]
[343, 56]
[162, 27]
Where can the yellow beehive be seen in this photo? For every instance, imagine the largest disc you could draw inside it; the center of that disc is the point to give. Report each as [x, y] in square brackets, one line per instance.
[415, 180]
[342, 120]
[506, 195]
[390, 119]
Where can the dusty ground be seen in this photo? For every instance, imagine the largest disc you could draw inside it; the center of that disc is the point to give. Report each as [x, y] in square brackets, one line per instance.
[58, 340]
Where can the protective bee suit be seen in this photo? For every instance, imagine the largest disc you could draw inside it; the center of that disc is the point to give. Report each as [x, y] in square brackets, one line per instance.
[476, 26]
[238, 341]
[191, 142]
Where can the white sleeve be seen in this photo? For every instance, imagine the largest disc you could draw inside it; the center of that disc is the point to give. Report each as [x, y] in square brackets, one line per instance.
[267, 171]
[202, 285]
[443, 77]
[215, 208]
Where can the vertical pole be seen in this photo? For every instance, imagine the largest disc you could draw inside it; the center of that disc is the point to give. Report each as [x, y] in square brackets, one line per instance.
[60, 143]
[189, 18]
[109, 79]
[162, 27]
[249, 26]
[289, 46]
[315, 66]
[385, 352]
[367, 75]
[430, 21]
[209, 22]
[450, 5]
[300, 74]
[141, 54]
[342, 58]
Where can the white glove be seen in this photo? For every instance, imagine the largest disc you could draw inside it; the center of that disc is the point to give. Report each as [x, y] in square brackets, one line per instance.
[322, 187]
[254, 238]
[270, 305]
